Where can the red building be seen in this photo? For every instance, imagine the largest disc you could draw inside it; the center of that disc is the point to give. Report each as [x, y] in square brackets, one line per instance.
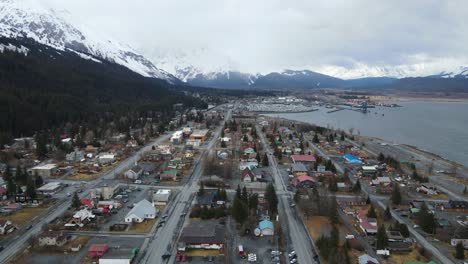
[97, 250]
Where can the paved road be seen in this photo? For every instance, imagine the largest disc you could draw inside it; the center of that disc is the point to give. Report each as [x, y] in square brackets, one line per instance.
[164, 238]
[298, 237]
[19, 242]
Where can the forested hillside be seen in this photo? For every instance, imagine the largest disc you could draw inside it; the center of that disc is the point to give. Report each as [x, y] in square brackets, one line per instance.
[43, 88]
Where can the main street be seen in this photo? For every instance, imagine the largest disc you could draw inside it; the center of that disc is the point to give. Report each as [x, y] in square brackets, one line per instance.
[298, 237]
[63, 204]
[164, 239]
[378, 199]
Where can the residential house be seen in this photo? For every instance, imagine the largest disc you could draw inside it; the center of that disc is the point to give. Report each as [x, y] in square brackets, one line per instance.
[247, 175]
[206, 234]
[193, 142]
[304, 159]
[75, 156]
[223, 154]
[266, 228]
[161, 197]
[299, 169]
[141, 211]
[208, 198]
[367, 225]
[343, 186]
[168, 175]
[97, 250]
[89, 203]
[303, 181]
[81, 218]
[134, 173]
[251, 164]
[106, 158]
[6, 227]
[366, 259]
[52, 238]
[177, 137]
[455, 206]
[369, 170]
[249, 153]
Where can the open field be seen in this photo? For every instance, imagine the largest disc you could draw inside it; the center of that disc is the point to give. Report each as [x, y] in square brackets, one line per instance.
[25, 215]
[401, 258]
[317, 226]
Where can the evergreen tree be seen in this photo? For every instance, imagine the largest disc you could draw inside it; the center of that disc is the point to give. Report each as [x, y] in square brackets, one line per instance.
[396, 195]
[11, 186]
[31, 189]
[460, 251]
[357, 186]
[426, 219]
[371, 213]
[41, 145]
[465, 191]
[253, 201]
[239, 192]
[76, 203]
[245, 196]
[238, 211]
[387, 213]
[270, 195]
[245, 138]
[368, 201]
[265, 161]
[257, 157]
[333, 211]
[315, 139]
[381, 238]
[342, 137]
[381, 157]
[223, 144]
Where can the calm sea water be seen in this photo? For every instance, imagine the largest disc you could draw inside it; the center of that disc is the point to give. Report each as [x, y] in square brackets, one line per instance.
[438, 127]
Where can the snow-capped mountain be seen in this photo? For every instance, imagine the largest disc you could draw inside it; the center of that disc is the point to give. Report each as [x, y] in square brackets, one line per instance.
[461, 73]
[360, 70]
[32, 19]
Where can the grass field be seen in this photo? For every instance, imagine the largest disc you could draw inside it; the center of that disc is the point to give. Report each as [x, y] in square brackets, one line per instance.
[144, 227]
[402, 258]
[25, 215]
[318, 225]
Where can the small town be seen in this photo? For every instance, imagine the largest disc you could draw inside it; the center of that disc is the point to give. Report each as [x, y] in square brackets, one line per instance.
[224, 185]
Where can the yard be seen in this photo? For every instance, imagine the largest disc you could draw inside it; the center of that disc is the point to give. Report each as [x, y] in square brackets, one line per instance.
[412, 256]
[25, 215]
[144, 227]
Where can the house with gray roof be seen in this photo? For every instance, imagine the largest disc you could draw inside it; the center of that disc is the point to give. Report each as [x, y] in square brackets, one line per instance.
[141, 211]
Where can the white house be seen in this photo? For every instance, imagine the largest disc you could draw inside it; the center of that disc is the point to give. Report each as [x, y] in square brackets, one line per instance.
[141, 211]
[106, 158]
[134, 173]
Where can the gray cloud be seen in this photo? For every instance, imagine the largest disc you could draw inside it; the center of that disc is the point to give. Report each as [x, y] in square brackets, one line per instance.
[271, 34]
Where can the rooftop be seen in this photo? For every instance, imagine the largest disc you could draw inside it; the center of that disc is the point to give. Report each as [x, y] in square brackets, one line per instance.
[45, 167]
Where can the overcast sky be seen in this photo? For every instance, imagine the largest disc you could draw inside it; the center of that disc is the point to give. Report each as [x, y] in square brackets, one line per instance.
[266, 35]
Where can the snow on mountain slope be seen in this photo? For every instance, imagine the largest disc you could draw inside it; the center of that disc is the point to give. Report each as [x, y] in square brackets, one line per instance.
[361, 70]
[32, 19]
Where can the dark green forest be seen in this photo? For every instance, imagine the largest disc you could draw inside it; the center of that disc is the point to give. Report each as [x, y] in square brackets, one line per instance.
[48, 88]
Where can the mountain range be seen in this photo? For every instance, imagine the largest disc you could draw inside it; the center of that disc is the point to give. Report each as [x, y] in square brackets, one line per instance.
[31, 19]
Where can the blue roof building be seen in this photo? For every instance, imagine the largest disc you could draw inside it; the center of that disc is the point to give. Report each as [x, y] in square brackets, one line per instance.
[266, 228]
[352, 159]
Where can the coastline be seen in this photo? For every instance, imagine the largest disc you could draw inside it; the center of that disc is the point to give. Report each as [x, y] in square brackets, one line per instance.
[427, 154]
[402, 98]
